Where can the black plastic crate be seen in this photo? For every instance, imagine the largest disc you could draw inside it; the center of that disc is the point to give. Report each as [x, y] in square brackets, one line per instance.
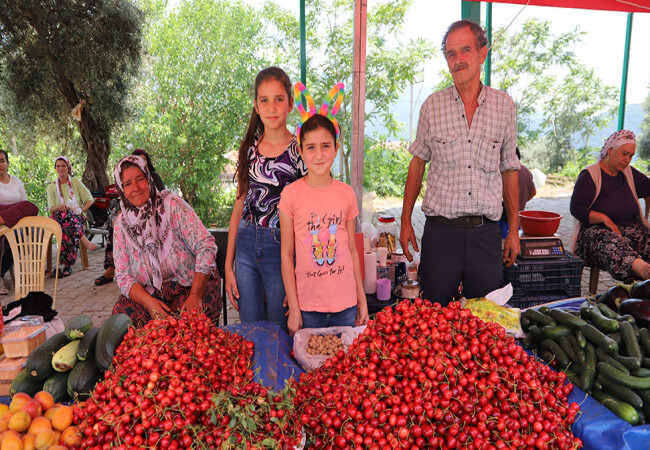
[541, 281]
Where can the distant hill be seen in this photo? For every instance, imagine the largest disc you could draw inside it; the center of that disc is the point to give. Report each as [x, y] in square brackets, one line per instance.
[633, 117]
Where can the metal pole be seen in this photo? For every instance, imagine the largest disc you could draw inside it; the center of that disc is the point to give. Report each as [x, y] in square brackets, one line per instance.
[488, 60]
[359, 99]
[303, 44]
[626, 63]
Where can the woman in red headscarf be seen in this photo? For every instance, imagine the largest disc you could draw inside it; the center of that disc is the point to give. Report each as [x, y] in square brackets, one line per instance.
[68, 199]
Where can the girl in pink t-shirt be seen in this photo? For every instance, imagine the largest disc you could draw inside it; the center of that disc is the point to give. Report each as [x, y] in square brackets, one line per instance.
[320, 265]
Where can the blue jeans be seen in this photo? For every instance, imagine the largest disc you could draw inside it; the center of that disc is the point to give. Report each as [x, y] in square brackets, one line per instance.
[345, 318]
[259, 274]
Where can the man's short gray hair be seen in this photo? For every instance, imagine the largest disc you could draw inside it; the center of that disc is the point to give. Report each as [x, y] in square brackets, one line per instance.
[479, 34]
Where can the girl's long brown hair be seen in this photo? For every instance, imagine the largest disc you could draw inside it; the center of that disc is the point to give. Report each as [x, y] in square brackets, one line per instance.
[255, 125]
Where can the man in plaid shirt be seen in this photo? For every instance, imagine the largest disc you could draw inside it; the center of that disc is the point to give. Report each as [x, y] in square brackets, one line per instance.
[467, 133]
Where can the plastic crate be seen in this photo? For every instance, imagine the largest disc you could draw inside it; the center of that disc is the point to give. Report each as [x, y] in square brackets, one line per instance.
[539, 281]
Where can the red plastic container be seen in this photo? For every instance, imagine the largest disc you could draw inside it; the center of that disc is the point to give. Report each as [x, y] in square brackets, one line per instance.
[539, 223]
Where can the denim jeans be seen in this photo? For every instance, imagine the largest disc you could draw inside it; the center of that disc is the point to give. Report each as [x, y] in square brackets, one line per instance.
[313, 319]
[259, 274]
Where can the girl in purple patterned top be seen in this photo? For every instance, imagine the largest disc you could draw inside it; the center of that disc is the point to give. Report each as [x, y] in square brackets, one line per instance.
[268, 161]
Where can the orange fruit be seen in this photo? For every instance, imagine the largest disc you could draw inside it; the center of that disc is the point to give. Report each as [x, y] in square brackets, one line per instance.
[20, 422]
[45, 439]
[45, 399]
[11, 441]
[62, 418]
[50, 412]
[29, 442]
[18, 400]
[39, 424]
[71, 436]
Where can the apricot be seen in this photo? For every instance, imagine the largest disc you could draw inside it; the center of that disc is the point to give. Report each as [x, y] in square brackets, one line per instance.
[45, 399]
[71, 437]
[20, 421]
[29, 442]
[11, 441]
[62, 418]
[50, 412]
[33, 408]
[45, 439]
[18, 400]
[3, 409]
[39, 424]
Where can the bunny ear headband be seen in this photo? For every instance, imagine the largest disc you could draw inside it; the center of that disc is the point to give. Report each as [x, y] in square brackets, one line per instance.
[336, 93]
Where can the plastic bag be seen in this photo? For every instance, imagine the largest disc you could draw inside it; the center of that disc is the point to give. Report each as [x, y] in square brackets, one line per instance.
[301, 341]
[491, 309]
[348, 337]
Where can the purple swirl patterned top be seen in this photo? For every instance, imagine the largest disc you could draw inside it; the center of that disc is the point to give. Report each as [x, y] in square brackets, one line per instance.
[266, 179]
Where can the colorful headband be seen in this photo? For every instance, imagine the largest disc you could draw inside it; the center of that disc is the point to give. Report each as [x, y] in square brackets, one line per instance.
[337, 92]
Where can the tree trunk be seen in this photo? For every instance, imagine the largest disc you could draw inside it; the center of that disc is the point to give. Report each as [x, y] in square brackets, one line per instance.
[97, 151]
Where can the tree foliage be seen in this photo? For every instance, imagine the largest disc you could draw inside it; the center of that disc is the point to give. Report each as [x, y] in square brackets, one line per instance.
[643, 141]
[194, 100]
[330, 51]
[56, 54]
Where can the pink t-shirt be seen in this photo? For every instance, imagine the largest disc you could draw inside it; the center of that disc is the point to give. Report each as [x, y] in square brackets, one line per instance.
[324, 271]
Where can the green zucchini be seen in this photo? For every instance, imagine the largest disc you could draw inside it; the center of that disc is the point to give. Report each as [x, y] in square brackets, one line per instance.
[621, 392]
[630, 340]
[78, 326]
[110, 337]
[555, 332]
[601, 355]
[601, 322]
[66, 358]
[563, 317]
[82, 379]
[57, 385]
[560, 355]
[623, 410]
[538, 317]
[623, 378]
[39, 362]
[644, 338]
[24, 382]
[595, 336]
[589, 370]
[87, 345]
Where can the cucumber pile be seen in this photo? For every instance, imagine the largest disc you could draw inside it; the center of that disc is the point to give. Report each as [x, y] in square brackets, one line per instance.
[602, 352]
[70, 363]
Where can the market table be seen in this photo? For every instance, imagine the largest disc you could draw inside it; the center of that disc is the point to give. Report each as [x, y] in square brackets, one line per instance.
[598, 427]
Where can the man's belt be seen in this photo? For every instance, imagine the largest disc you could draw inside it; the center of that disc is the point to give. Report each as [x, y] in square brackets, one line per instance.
[462, 222]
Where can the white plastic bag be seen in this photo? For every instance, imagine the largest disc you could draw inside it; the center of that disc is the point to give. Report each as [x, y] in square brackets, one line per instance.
[301, 341]
[348, 337]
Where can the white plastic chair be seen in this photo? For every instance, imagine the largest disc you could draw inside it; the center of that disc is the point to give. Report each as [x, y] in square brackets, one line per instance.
[29, 240]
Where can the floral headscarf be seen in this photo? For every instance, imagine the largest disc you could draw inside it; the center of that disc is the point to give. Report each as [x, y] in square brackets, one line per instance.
[616, 140]
[148, 227]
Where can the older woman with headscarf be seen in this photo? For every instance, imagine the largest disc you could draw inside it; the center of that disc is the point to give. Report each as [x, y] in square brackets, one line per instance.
[164, 256]
[68, 199]
[611, 230]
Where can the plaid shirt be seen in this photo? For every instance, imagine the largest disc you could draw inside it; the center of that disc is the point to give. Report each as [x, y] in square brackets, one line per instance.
[466, 163]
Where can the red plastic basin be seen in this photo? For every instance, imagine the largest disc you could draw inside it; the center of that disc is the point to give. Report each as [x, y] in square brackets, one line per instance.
[539, 223]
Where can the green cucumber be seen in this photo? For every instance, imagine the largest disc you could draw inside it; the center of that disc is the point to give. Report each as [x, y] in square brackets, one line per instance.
[585, 307]
[623, 410]
[87, 345]
[601, 355]
[642, 372]
[630, 340]
[626, 394]
[83, 378]
[57, 385]
[623, 378]
[642, 418]
[66, 358]
[582, 341]
[536, 333]
[601, 322]
[529, 342]
[547, 356]
[525, 323]
[630, 362]
[644, 338]
[560, 355]
[595, 336]
[563, 317]
[544, 309]
[579, 351]
[565, 344]
[617, 337]
[589, 371]
[555, 332]
[574, 378]
[110, 337]
[78, 326]
[39, 362]
[24, 382]
[538, 317]
[608, 312]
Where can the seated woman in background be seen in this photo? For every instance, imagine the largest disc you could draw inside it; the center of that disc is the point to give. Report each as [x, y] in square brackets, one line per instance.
[611, 230]
[109, 264]
[13, 207]
[164, 256]
[68, 199]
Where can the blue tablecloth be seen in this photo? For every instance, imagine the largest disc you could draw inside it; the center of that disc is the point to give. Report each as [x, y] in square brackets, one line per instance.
[598, 427]
[273, 346]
